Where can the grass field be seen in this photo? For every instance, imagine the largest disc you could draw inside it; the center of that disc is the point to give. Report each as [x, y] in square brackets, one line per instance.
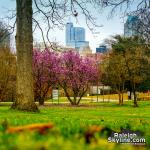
[71, 125]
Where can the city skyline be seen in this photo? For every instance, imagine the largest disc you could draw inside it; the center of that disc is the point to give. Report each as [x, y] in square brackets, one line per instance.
[113, 25]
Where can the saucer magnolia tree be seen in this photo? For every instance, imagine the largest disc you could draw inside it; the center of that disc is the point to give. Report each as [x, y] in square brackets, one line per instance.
[45, 65]
[75, 75]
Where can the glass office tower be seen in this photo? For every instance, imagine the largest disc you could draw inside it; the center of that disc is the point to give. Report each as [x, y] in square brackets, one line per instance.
[75, 36]
[131, 26]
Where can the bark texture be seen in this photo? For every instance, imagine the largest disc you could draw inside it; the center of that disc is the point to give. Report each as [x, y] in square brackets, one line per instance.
[24, 44]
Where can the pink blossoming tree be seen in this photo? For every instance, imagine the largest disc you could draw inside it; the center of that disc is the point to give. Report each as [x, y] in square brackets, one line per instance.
[75, 74]
[45, 65]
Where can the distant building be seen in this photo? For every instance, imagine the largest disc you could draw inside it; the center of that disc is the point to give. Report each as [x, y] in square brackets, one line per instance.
[75, 36]
[101, 49]
[131, 26]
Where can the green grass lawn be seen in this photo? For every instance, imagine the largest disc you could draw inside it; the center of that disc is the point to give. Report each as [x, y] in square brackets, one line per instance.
[71, 125]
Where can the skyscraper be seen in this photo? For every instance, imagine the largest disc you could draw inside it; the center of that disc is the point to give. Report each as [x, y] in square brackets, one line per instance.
[69, 33]
[75, 36]
[131, 26]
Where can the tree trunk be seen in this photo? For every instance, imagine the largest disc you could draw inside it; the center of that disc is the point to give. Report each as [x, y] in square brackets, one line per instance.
[24, 44]
[75, 100]
[122, 93]
[119, 95]
[135, 97]
[130, 94]
[122, 97]
[67, 95]
[41, 101]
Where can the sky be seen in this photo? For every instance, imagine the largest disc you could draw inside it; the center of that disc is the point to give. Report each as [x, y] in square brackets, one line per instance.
[110, 26]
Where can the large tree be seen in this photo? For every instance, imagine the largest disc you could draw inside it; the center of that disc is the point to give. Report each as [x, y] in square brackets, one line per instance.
[135, 60]
[115, 73]
[24, 44]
